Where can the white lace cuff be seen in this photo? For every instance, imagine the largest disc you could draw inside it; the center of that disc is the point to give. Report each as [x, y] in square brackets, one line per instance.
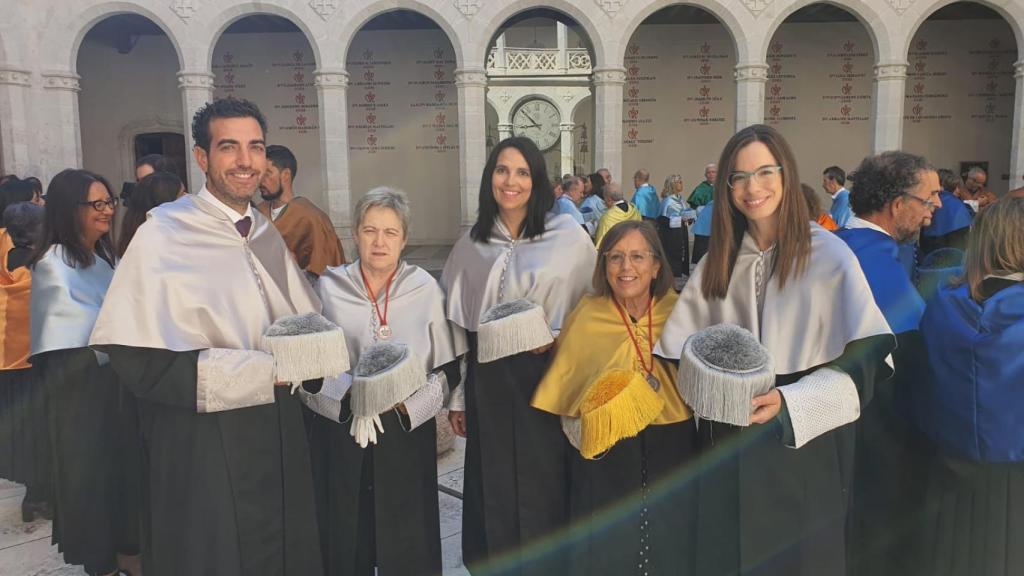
[230, 379]
[426, 402]
[819, 402]
[457, 401]
[327, 402]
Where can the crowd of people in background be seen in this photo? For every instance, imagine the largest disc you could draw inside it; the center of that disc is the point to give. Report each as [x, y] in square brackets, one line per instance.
[731, 381]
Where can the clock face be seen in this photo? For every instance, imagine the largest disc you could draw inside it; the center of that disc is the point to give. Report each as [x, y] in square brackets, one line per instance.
[537, 120]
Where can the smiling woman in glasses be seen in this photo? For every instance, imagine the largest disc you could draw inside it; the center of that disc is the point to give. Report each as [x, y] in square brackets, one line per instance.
[765, 507]
[621, 411]
[96, 471]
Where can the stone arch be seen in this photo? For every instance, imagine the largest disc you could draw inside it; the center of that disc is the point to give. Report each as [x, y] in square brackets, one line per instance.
[717, 9]
[864, 12]
[496, 20]
[220, 23]
[355, 22]
[1012, 13]
[84, 21]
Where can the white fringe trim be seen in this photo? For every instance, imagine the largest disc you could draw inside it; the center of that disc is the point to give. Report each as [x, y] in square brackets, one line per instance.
[513, 335]
[718, 395]
[307, 356]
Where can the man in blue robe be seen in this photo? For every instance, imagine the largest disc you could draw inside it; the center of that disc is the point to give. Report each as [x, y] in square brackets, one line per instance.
[833, 180]
[646, 197]
[951, 222]
[702, 232]
[894, 196]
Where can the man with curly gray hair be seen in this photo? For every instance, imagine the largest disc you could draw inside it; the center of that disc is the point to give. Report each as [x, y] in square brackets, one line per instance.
[894, 195]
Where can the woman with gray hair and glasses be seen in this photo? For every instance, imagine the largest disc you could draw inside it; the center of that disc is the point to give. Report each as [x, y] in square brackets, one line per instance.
[373, 436]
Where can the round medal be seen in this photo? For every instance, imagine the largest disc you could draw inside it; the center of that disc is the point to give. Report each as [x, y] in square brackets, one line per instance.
[385, 332]
[653, 381]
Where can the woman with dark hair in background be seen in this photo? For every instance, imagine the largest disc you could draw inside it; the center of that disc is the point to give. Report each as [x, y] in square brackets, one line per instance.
[593, 205]
[766, 508]
[823, 218]
[152, 191]
[516, 254]
[971, 406]
[72, 267]
[24, 437]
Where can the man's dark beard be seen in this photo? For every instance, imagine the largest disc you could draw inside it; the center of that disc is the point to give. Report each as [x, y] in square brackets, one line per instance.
[268, 196]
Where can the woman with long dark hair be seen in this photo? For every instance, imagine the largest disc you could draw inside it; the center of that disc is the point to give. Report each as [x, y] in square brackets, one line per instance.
[153, 190]
[517, 256]
[765, 507]
[71, 270]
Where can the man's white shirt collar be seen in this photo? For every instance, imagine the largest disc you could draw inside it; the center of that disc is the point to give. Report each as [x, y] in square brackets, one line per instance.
[228, 211]
[856, 222]
[838, 192]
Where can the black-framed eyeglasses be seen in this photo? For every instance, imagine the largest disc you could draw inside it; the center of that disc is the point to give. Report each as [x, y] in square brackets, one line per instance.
[99, 205]
[929, 202]
[763, 175]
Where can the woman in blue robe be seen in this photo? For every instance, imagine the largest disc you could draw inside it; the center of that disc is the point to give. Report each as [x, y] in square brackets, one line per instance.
[972, 406]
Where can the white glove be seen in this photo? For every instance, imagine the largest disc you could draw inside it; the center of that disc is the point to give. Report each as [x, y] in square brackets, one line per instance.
[364, 430]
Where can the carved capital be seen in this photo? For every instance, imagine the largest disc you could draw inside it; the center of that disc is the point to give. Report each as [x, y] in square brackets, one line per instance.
[751, 73]
[325, 8]
[15, 77]
[467, 7]
[471, 77]
[331, 79]
[609, 76]
[892, 71]
[195, 80]
[62, 81]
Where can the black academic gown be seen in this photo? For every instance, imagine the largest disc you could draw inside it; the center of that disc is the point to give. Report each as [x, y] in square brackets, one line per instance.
[798, 526]
[521, 455]
[95, 514]
[204, 472]
[676, 242]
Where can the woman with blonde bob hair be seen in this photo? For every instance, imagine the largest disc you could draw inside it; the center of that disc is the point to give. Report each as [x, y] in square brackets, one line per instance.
[765, 507]
[971, 404]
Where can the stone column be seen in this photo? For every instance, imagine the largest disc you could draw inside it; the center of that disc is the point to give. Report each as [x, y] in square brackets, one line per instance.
[64, 134]
[608, 83]
[196, 91]
[472, 87]
[890, 86]
[562, 36]
[504, 130]
[750, 80]
[332, 103]
[1017, 140]
[14, 135]
[500, 62]
[567, 148]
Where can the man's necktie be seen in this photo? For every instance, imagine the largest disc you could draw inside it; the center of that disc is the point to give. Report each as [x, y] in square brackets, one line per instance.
[243, 226]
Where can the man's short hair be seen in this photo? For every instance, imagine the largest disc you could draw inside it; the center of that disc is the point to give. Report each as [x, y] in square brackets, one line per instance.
[613, 192]
[282, 158]
[567, 182]
[159, 162]
[883, 178]
[836, 174]
[976, 171]
[642, 175]
[949, 180]
[223, 108]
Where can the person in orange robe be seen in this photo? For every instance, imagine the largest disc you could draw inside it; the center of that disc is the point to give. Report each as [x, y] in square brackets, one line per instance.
[307, 230]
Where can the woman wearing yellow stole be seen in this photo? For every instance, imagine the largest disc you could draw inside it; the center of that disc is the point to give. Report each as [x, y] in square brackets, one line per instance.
[621, 410]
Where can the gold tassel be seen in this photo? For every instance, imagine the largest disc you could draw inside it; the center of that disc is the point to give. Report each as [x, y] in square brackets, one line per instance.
[619, 404]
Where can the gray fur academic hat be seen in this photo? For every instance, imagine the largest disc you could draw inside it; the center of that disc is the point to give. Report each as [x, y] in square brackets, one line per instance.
[511, 328]
[722, 368]
[387, 374]
[305, 347]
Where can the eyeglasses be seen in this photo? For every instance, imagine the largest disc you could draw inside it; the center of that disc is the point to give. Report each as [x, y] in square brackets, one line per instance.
[638, 258]
[99, 205]
[763, 175]
[929, 202]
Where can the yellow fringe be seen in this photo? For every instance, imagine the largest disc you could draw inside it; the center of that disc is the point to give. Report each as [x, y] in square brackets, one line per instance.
[618, 405]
